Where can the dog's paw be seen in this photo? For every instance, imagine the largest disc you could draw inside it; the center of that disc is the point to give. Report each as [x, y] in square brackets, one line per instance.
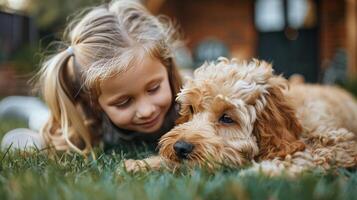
[150, 163]
[135, 165]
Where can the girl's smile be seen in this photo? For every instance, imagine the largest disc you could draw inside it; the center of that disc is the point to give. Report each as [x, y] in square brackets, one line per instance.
[150, 123]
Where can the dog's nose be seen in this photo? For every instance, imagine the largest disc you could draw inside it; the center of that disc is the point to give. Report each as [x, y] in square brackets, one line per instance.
[183, 149]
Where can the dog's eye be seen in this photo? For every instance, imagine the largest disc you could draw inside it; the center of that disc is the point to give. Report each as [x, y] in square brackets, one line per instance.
[225, 119]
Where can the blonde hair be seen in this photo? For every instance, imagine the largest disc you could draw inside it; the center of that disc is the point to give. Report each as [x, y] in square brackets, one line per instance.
[105, 42]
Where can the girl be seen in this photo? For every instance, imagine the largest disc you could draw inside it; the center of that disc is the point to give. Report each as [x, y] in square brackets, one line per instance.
[116, 81]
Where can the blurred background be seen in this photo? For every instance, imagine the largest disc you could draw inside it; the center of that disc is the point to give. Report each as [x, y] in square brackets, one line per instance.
[315, 38]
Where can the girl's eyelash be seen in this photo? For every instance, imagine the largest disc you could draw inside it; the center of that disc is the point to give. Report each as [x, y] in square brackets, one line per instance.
[124, 103]
[154, 89]
[127, 101]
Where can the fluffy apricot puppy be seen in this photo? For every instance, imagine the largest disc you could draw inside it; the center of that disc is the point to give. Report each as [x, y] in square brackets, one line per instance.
[239, 113]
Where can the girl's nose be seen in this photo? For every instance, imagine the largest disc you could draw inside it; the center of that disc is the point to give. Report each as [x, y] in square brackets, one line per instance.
[145, 110]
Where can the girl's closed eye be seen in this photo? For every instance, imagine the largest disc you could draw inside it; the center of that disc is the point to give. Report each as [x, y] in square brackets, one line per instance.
[154, 89]
[124, 103]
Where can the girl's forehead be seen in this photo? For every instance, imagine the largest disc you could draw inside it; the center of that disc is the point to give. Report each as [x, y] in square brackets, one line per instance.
[140, 68]
[139, 74]
[117, 65]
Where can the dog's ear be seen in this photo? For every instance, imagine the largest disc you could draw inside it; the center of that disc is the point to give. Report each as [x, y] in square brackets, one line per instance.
[182, 119]
[185, 113]
[277, 128]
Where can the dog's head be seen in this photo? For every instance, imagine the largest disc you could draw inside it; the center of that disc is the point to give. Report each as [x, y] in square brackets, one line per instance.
[231, 113]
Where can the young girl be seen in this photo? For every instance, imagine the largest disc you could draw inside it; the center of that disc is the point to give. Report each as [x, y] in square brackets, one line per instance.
[116, 80]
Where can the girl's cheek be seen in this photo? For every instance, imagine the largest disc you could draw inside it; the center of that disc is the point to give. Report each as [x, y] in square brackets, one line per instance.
[121, 117]
[165, 97]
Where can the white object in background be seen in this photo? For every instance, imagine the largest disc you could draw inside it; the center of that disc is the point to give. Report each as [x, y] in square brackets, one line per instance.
[23, 139]
[269, 15]
[28, 108]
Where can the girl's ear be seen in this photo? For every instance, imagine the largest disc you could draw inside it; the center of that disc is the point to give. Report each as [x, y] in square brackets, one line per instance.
[277, 128]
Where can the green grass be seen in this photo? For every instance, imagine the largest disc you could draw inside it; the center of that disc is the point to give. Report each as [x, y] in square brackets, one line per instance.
[35, 176]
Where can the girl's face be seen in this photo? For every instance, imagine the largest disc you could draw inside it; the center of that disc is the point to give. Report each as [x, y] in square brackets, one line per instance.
[139, 98]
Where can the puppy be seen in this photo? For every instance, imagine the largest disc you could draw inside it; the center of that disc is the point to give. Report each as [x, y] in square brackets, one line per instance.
[240, 113]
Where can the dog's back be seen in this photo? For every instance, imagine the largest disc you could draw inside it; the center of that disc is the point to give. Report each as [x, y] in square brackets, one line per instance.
[324, 106]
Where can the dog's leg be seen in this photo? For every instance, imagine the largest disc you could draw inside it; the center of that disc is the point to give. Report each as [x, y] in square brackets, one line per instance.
[151, 163]
[276, 167]
[291, 165]
[337, 147]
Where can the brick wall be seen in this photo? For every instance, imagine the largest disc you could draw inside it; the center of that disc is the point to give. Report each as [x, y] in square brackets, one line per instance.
[332, 29]
[12, 83]
[232, 22]
[228, 20]
[351, 32]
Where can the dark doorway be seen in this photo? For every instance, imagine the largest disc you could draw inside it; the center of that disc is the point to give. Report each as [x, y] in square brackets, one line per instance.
[288, 36]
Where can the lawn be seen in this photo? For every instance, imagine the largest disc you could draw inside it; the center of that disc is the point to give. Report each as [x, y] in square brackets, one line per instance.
[35, 176]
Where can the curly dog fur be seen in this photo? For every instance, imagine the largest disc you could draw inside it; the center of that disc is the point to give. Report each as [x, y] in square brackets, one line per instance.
[238, 113]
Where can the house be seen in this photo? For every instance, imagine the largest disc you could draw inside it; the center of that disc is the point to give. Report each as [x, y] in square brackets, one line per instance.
[16, 30]
[297, 36]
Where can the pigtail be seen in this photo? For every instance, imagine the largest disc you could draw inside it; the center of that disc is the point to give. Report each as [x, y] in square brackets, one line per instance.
[65, 128]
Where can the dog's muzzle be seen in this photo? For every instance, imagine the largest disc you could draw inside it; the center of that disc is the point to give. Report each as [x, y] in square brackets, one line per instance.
[183, 149]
